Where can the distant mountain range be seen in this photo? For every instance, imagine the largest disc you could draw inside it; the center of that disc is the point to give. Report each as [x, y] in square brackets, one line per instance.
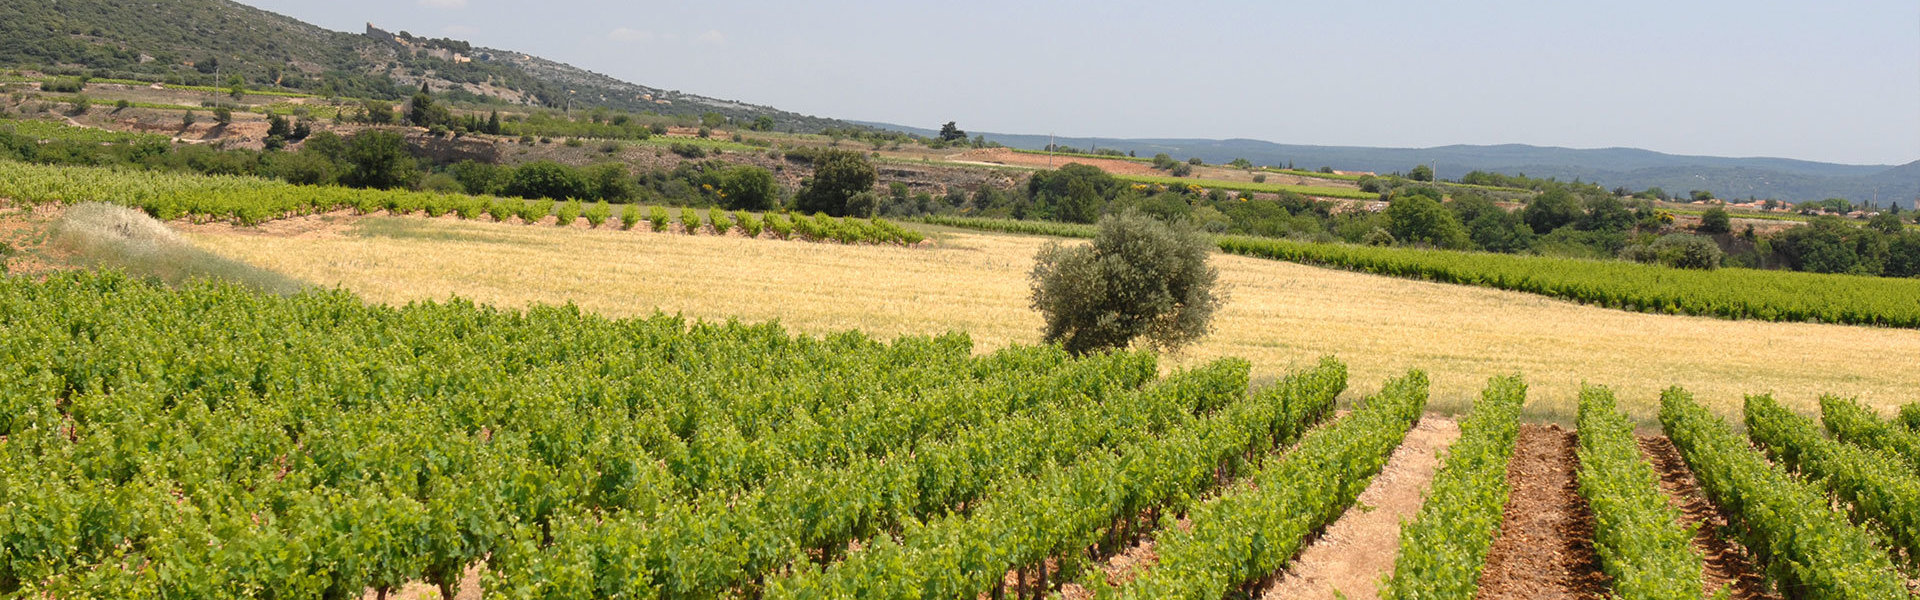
[1777, 178]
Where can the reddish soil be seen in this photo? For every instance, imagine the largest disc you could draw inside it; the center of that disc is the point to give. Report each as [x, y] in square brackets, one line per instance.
[1727, 561]
[1350, 558]
[1004, 156]
[1545, 548]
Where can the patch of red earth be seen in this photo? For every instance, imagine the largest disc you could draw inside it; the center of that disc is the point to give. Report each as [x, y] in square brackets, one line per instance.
[1545, 547]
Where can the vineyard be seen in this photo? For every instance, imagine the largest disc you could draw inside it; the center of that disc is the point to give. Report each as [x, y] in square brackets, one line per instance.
[251, 201]
[1724, 293]
[211, 442]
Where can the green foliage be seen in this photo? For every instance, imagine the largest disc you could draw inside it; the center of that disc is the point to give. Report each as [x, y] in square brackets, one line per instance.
[1421, 173]
[1878, 486]
[952, 133]
[747, 187]
[781, 227]
[1642, 542]
[1139, 278]
[546, 179]
[750, 225]
[1443, 549]
[1294, 495]
[1855, 424]
[377, 158]
[598, 214]
[1420, 219]
[837, 176]
[1551, 210]
[1715, 220]
[720, 221]
[1725, 293]
[1785, 522]
[1075, 193]
[1677, 250]
[689, 221]
[657, 219]
[1180, 436]
[629, 216]
[568, 213]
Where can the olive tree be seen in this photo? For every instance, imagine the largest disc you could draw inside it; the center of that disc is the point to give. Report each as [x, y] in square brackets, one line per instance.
[1140, 278]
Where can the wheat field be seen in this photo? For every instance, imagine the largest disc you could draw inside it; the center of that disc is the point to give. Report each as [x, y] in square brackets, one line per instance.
[1279, 315]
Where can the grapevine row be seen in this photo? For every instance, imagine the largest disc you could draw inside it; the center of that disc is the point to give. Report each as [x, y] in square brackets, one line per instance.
[1247, 534]
[251, 201]
[1785, 522]
[1855, 424]
[1877, 486]
[1444, 548]
[1064, 512]
[1639, 536]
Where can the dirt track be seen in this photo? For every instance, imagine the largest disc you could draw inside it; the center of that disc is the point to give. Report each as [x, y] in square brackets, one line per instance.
[1356, 551]
[1545, 548]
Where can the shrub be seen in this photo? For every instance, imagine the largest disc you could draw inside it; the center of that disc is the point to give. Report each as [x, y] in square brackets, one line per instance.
[1261, 178]
[629, 216]
[575, 142]
[598, 213]
[499, 210]
[750, 188]
[687, 150]
[781, 227]
[749, 225]
[1677, 250]
[657, 219]
[1715, 220]
[720, 221]
[689, 221]
[837, 176]
[1140, 278]
[568, 213]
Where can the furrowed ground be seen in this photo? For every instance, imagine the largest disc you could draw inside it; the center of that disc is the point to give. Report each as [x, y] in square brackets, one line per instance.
[1279, 315]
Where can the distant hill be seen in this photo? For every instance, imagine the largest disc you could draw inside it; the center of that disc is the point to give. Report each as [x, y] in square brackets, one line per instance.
[1779, 178]
[208, 42]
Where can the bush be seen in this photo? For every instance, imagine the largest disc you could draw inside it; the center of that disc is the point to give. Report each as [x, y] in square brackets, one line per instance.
[720, 221]
[689, 221]
[749, 226]
[657, 219]
[629, 216]
[598, 213]
[781, 228]
[747, 187]
[499, 210]
[1140, 278]
[687, 150]
[546, 179]
[1261, 178]
[1677, 250]
[837, 176]
[568, 213]
[1715, 220]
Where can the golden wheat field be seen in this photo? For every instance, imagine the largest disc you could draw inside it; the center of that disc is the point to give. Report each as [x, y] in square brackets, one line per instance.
[1279, 315]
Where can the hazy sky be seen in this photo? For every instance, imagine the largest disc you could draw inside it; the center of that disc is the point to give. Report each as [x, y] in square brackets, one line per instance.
[1835, 80]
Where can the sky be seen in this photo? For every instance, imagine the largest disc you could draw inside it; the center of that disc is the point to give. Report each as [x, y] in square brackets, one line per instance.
[1834, 81]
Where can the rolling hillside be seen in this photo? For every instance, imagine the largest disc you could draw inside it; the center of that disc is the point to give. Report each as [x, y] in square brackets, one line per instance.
[1780, 178]
[213, 42]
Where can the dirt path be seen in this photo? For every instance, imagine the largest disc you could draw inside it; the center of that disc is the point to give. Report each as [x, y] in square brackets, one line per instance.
[1545, 548]
[1727, 561]
[1348, 560]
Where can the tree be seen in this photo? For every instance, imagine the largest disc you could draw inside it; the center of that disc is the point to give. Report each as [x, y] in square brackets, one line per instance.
[493, 123]
[1715, 220]
[952, 133]
[1074, 193]
[378, 159]
[1140, 278]
[837, 176]
[1886, 222]
[1551, 210]
[1417, 218]
[223, 116]
[1421, 173]
[749, 187]
[546, 179]
[1241, 163]
[1700, 195]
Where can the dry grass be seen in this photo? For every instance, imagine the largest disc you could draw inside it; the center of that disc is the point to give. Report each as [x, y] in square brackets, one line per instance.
[1280, 315]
